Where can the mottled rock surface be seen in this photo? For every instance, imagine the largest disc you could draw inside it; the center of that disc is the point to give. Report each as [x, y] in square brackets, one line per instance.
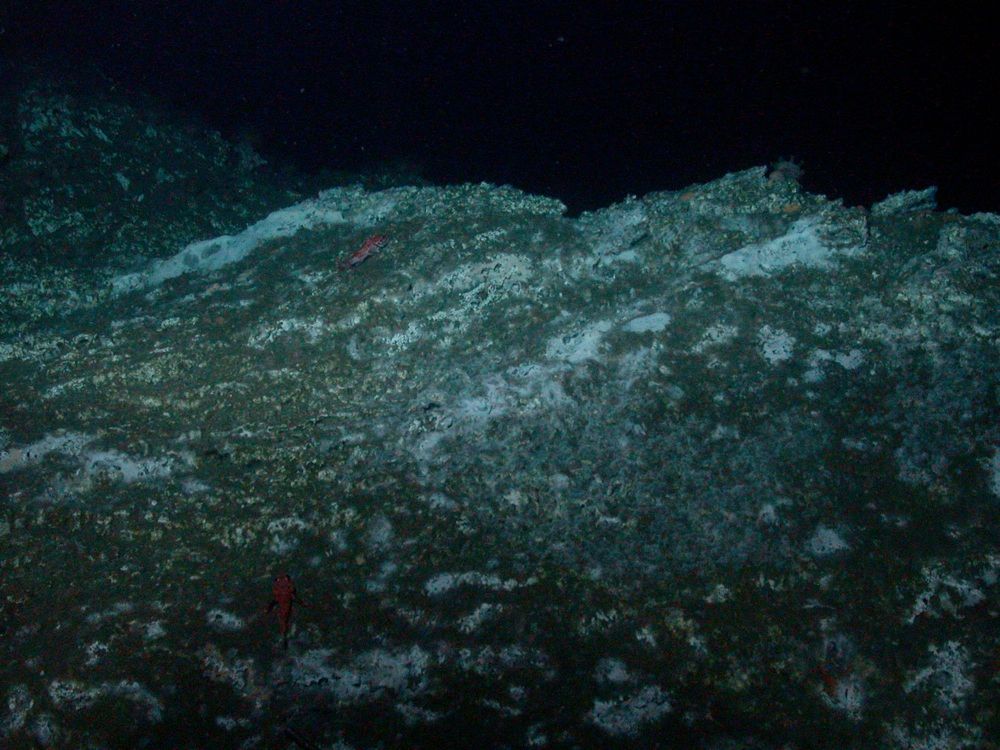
[717, 467]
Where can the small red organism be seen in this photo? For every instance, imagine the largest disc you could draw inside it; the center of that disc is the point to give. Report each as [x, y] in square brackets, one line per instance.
[283, 596]
[369, 246]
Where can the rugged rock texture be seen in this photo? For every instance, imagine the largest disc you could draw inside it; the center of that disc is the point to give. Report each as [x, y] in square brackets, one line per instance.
[718, 467]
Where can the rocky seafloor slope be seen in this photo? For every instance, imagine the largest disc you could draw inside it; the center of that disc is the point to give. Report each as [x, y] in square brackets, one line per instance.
[713, 468]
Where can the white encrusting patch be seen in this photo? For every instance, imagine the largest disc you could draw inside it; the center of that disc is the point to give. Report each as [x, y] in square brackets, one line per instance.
[402, 672]
[114, 465]
[825, 541]
[625, 716]
[285, 533]
[947, 676]
[775, 345]
[13, 459]
[445, 582]
[224, 622]
[94, 464]
[800, 246]
[521, 390]
[716, 335]
[482, 613]
[944, 594]
[578, 346]
[849, 361]
[71, 695]
[653, 322]
[310, 330]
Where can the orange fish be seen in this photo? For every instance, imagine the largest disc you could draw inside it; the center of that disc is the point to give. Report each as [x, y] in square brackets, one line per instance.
[283, 596]
[369, 246]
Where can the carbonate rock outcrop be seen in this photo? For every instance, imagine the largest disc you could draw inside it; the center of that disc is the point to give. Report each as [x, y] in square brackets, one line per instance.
[717, 466]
